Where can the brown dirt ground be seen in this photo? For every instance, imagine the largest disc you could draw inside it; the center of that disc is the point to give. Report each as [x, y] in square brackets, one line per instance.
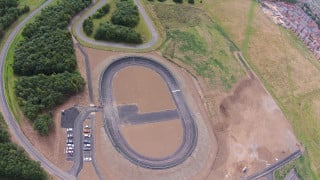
[87, 172]
[157, 140]
[255, 132]
[144, 87]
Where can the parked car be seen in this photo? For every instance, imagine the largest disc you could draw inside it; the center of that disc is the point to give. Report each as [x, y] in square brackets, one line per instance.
[69, 141]
[87, 135]
[69, 129]
[86, 141]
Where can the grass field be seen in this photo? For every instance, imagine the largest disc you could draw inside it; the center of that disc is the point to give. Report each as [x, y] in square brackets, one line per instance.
[287, 68]
[196, 41]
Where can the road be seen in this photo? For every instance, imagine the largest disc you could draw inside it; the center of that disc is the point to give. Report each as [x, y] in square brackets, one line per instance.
[8, 116]
[112, 121]
[269, 170]
[82, 37]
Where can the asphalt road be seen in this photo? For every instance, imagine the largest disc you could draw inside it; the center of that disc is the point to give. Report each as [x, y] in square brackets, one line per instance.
[81, 36]
[8, 116]
[112, 121]
[270, 170]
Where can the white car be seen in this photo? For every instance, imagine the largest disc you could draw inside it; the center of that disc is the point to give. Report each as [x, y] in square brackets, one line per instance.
[87, 158]
[70, 145]
[87, 135]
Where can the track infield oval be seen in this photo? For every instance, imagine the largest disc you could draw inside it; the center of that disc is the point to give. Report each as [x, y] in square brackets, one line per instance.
[112, 121]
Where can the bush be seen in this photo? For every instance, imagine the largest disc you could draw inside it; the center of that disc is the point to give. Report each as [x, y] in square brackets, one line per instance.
[101, 12]
[191, 1]
[43, 124]
[88, 26]
[116, 33]
[178, 1]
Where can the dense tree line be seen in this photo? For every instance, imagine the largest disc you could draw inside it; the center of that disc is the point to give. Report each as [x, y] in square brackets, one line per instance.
[126, 14]
[43, 92]
[49, 53]
[14, 162]
[9, 13]
[101, 12]
[116, 33]
[46, 64]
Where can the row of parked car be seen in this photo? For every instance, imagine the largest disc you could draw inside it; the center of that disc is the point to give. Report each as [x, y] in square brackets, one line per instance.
[87, 143]
[70, 144]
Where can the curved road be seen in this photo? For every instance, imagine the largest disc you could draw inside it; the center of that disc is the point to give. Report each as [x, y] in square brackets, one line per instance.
[82, 37]
[112, 122]
[8, 116]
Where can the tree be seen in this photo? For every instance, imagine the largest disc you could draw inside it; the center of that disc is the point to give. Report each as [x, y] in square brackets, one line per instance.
[88, 26]
[43, 124]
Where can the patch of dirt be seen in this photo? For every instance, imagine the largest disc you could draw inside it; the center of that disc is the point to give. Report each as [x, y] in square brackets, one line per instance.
[256, 132]
[156, 140]
[144, 87]
[87, 172]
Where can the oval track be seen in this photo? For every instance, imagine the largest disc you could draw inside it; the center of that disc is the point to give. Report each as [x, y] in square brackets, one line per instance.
[112, 122]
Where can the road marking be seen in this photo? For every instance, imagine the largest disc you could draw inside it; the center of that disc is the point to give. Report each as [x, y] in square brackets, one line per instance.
[177, 90]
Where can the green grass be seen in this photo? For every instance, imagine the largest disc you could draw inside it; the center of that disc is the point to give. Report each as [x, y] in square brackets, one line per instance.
[249, 28]
[196, 41]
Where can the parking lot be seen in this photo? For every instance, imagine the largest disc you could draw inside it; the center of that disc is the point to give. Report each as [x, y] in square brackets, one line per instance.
[69, 145]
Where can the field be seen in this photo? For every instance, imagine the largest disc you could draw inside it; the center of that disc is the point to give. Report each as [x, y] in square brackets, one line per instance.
[287, 69]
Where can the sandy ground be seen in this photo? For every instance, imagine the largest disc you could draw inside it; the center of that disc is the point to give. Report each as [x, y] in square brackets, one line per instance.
[87, 172]
[255, 134]
[144, 87]
[157, 140]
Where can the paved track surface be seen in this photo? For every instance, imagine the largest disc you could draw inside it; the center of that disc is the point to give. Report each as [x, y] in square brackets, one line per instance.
[8, 116]
[112, 122]
[81, 36]
[129, 114]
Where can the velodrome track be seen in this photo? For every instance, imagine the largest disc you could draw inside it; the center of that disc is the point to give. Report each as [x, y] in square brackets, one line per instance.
[112, 122]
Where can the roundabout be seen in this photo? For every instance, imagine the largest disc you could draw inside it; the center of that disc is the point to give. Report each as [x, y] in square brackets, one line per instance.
[112, 119]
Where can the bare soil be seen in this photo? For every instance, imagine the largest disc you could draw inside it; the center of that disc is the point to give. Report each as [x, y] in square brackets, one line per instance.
[144, 87]
[255, 132]
[87, 172]
[156, 140]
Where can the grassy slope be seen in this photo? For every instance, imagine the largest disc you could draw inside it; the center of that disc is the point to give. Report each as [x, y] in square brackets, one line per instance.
[288, 70]
[196, 42]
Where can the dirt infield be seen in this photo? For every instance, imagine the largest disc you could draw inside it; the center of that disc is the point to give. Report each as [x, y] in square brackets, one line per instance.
[141, 86]
[154, 139]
